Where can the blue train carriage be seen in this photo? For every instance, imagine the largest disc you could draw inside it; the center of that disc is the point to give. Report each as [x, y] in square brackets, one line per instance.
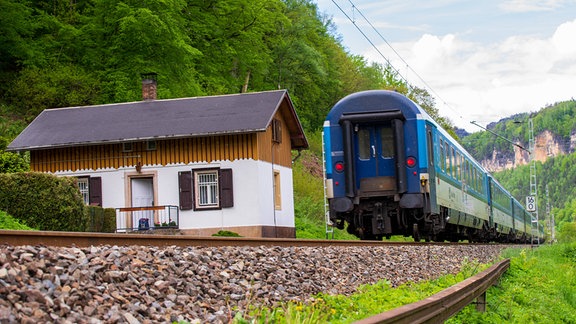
[462, 190]
[391, 170]
[522, 229]
[501, 211]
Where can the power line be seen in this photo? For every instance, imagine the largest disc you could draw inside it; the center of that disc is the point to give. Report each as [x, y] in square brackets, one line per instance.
[354, 7]
[370, 41]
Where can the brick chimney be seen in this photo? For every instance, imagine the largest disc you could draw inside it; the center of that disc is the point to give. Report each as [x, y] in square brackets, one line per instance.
[149, 86]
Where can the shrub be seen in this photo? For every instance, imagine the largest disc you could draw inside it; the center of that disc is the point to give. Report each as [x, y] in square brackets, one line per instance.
[100, 219]
[227, 233]
[43, 201]
[8, 222]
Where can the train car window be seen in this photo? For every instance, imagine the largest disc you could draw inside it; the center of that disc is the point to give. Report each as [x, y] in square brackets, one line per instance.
[442, 156]
[448, 160]
[453, 159]
[364, 144]
[458, 166]
[478, 180]
[387, 140]
[468, 172]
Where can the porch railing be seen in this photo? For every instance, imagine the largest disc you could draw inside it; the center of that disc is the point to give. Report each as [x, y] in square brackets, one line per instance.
[146, 218]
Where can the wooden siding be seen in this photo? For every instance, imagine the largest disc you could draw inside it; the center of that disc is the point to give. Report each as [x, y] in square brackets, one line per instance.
[172, 151]
[275, 153]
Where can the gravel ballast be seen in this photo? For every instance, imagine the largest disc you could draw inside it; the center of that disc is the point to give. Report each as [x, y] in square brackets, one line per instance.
[140, 284]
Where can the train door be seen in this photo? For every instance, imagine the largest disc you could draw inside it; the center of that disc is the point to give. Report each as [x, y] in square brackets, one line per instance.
[375, 156]
[431, 170]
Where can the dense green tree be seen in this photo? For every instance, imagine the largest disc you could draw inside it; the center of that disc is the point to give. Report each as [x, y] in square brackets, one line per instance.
[13, 162]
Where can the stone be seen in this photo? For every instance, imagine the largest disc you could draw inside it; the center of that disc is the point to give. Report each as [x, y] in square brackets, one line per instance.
[142, 284]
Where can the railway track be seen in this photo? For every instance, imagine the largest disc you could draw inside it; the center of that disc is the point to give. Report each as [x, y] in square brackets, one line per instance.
[302, 262]
[83, 239]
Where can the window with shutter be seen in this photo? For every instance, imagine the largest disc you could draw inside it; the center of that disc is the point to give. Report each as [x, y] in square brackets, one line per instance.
[84, 186]
[276, 131]
[96, 191]
[185, 187]
[226, 189]
[206, 191]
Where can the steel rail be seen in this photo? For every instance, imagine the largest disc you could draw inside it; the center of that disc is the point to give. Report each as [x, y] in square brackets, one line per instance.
[441, 306]
[86, 239]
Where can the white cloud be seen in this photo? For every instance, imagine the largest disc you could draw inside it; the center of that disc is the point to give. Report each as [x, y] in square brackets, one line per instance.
[486, 82]
[564, 39]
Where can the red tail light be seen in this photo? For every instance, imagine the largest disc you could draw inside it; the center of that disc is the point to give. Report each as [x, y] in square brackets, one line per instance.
[339, 167]
[411, 161]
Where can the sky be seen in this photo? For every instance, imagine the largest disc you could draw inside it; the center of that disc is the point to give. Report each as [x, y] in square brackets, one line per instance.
[482, 60]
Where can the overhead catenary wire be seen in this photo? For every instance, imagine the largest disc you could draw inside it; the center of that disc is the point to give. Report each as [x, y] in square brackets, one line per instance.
[355, 9]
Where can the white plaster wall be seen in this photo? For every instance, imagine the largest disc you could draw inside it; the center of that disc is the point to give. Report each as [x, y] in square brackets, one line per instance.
[253, 193]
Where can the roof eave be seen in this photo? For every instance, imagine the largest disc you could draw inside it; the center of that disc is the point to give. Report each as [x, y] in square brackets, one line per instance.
[119, 141]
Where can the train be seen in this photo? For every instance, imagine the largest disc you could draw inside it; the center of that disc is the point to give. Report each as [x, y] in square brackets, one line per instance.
[390, 169]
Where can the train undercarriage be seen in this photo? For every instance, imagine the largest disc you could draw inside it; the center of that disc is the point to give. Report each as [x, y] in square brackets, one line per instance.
[375, 219]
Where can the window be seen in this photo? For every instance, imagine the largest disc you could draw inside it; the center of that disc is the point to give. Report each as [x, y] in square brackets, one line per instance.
[442, 156]
[364, 144]
[387, 140]
[276, 131]
[91, 190]
[127, 147]
[151, 145]
[204, 189]
[84, 190]
[277, 191]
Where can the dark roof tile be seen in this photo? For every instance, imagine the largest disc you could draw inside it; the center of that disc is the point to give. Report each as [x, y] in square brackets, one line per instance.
[155, 119]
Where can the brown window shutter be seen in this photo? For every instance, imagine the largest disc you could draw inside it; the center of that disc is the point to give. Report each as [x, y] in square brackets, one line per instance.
[95, 191]
[185, 187]
[226, 189]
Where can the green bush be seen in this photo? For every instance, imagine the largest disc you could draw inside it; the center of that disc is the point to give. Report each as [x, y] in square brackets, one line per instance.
[8, 222]
[227, 233]
[100, 219]
[43, 201]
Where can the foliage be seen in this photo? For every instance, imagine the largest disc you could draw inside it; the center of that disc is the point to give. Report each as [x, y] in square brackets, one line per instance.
[566, 232]
[43, 201]
[8, 222]
[13, 162]
[63, 53]
[102, 220]
[227, 234]
[539, 287]
[561, 189]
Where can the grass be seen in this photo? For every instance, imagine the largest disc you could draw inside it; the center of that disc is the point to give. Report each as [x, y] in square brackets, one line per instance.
[539, 287]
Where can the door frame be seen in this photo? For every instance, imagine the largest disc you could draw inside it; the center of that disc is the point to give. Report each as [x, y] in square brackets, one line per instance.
[128, 185]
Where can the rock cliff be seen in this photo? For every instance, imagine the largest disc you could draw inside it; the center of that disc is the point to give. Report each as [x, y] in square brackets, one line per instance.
[547, 145]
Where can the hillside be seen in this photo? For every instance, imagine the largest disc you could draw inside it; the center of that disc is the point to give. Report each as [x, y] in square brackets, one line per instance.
[554, 151]
[554, 134]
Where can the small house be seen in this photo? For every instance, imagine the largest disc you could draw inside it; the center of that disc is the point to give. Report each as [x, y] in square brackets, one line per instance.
[200, 164]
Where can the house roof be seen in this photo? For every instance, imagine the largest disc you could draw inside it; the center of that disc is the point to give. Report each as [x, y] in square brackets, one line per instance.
[160, 119]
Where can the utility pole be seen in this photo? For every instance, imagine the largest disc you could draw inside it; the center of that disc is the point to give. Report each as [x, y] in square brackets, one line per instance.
[549, 216]
[533, 183]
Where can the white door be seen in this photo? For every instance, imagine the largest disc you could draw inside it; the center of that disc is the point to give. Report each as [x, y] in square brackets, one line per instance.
[142, 196]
